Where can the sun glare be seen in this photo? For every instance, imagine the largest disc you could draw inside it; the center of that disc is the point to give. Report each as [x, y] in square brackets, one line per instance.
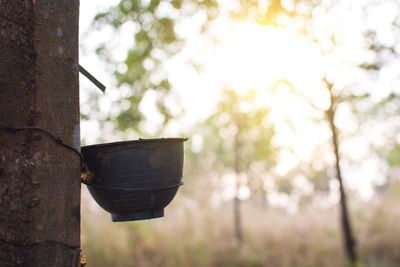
[256, 56]
[276, 62]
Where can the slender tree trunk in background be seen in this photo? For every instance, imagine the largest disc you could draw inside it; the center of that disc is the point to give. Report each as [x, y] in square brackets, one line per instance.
[236, 201]
[349, 241]
[237, 219]
[39, 177]
[264, 201]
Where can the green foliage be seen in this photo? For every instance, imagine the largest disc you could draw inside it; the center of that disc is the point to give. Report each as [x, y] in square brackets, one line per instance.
[369, 66]
[394, 156]
[155, 41]
[269, 12]
[237, 139]
[240, 131]
[284, 186]
[320, 179]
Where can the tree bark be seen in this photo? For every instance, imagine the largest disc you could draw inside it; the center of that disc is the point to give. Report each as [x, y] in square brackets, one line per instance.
[349, 241]
[39, 177]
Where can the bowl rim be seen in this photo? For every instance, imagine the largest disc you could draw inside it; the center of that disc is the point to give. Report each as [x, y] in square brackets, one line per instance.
[138, 141]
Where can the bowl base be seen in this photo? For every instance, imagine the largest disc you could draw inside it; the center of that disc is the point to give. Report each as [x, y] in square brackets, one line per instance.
[138, 215]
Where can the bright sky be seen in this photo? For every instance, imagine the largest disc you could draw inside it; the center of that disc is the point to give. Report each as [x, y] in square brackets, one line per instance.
[254, 56]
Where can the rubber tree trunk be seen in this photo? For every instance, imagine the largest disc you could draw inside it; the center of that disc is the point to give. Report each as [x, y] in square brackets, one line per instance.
[39, 177]
[348, 239]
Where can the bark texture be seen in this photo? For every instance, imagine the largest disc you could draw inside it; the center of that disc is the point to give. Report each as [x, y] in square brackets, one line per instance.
[39, 178]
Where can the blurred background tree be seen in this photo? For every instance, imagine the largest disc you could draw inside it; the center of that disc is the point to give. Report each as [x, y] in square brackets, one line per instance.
[155, 41]
[239, 136]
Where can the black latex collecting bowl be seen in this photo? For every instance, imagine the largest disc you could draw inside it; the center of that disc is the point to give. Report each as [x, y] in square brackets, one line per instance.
[129, 204]
[135, 180]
